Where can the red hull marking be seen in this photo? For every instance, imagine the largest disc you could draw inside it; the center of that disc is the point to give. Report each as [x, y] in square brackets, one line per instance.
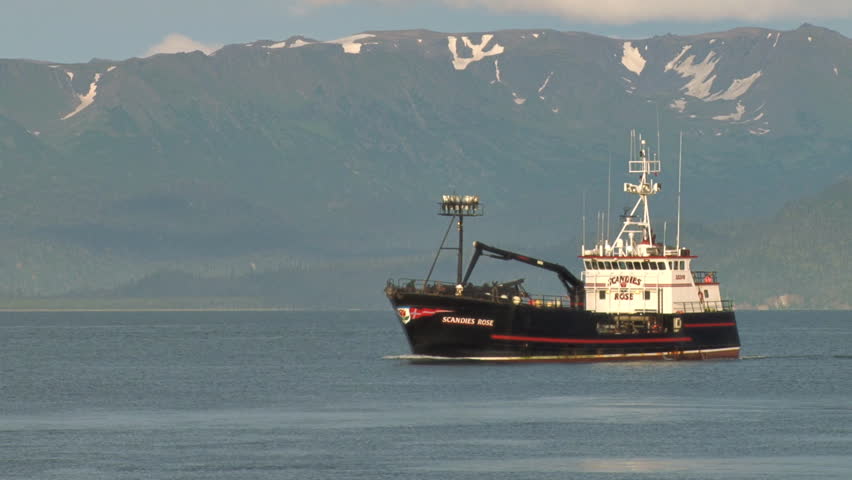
[591, 341]
[709, 325]
[426, 312]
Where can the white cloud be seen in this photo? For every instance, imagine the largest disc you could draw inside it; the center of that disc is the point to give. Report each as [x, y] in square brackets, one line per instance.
[177, 43]
[630, 11]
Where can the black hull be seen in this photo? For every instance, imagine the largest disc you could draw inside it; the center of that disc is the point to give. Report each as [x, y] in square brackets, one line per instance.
[450, 327]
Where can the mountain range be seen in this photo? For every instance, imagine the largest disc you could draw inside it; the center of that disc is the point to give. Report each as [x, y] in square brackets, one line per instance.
[278, 160]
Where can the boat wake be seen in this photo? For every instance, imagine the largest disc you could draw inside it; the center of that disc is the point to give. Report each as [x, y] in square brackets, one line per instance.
[793, 357]
[436, 359]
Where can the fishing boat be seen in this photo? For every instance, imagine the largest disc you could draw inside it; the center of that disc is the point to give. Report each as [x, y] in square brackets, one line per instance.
[636, 299]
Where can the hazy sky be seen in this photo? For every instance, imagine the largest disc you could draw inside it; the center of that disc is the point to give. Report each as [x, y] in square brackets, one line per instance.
[76, 31]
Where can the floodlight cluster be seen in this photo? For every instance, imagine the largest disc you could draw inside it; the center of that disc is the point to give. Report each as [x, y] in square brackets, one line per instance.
[460, 204]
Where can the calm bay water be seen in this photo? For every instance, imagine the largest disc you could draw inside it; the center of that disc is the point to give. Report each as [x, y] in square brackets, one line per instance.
[309, 396]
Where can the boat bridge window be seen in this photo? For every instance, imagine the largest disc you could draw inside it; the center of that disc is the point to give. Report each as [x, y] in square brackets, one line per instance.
[637, 266]
[608, 265]
[645, 266]
[588, 265]
[630, 265]
[675, 265]
[662, 265]
[622, 266]
[653, 265]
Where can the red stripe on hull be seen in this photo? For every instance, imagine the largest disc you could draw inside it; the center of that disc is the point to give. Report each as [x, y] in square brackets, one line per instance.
[585, 341]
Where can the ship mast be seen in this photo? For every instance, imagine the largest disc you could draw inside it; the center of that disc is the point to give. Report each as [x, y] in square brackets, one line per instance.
[457, 207]
[636, 237]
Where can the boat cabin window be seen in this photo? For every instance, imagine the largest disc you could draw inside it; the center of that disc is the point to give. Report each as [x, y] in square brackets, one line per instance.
[670, 265]
[630, 265]
[608, 265]
[602, 294]
[637, 266]
[621, 266]
[594, 264]
[647, 294]
[706, 294]
[681, 265]
[662, 265]
[588, 265]
[645, 266]
[653, 265]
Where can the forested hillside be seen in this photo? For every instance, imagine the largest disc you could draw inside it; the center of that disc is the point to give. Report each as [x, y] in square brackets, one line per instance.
[270, 168]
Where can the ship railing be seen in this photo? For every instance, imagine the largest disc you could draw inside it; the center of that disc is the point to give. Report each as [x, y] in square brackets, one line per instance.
[704, 277]
[547, 301]
[708, 306]
[412, 285]
[507, 292]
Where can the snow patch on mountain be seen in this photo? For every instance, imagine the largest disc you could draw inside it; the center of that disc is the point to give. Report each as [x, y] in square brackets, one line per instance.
[350, 44]
[759, 131]
[478, 50]
[295, 44]
[517, 99]
[87, 99]
[836, 73]
[111, 68]
[739, 86]
[675, 60]
[632, 59]
[777, 37]
[497, 72]
[546, 81]
[702, 77]
[70, 75]
[735, 117]
[679, 105]
[700, 73]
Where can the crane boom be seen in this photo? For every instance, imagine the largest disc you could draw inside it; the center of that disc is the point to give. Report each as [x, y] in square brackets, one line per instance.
[573, 285]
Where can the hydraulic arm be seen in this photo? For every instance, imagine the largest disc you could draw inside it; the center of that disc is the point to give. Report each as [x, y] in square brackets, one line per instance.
[573, 285]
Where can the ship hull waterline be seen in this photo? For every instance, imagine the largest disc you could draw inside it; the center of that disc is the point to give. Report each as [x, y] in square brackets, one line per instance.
[448, 328]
